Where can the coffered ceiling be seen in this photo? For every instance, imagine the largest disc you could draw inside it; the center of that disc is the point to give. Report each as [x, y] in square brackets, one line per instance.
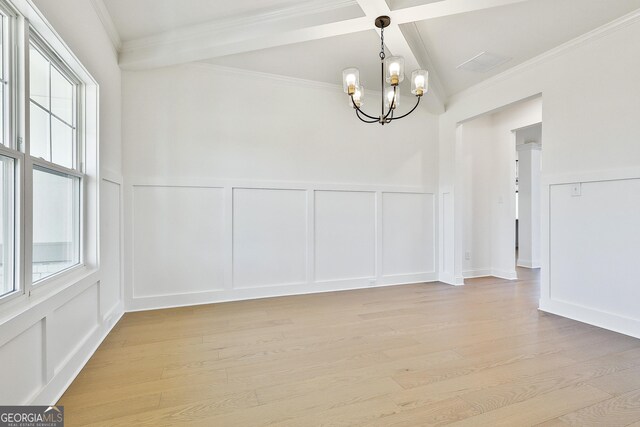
[316, 39]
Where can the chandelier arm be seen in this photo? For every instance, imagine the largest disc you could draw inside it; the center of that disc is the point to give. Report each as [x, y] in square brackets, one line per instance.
[392, 105]
[411, 111]
[366, 121]
[363, 113]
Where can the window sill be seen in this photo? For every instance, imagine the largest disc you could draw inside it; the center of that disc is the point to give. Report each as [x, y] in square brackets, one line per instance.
[48, 295]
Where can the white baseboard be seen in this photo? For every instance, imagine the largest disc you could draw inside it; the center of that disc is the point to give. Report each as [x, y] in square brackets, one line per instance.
[54, 390]
[211, 297]
[473, 274]
[610, 321]
[487, 272]
[449, 279]
[505, 274]
[527, 263]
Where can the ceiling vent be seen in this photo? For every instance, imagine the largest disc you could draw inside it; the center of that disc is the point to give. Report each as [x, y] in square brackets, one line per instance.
[483, 62]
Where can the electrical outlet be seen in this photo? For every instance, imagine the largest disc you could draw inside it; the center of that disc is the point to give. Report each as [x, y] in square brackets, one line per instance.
[372, 282]
[467, 256]
[576, 189]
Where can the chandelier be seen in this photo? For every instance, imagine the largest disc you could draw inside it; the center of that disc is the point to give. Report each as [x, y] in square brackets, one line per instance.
[391, 70]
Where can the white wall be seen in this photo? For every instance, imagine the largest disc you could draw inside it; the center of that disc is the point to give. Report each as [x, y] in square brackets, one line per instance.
[478, 138]
[254, 185]
[529, 165]
[44, 346]
[488, 150]
[590, 132]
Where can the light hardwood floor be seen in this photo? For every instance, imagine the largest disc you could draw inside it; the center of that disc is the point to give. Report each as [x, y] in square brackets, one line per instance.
[427, 354]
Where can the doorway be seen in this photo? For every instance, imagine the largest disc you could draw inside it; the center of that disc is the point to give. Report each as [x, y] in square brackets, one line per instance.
[491, 197]
[528, 146]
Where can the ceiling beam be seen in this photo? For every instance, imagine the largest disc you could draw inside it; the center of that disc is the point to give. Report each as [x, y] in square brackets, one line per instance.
[200, 42]
[165, 51]
[445, 8]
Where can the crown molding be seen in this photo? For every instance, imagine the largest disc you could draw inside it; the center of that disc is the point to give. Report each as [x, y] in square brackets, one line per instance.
[107, 23]
[211, 28]
[600, 32]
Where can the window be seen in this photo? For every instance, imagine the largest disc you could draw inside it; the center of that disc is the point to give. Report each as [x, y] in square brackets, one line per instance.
[48, 148]
[7, 226]
[52, 111]
[8, 159]
[56, 222]
[54, 150]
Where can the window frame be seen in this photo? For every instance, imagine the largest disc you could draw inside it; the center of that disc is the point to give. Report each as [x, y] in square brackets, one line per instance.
[10, 18]
[24, 24]
[49, 54]
[33, 37]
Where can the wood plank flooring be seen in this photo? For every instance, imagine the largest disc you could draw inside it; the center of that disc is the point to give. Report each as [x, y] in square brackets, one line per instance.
[416, 355]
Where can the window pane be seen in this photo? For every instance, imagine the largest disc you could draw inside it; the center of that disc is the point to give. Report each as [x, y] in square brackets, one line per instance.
[2, 20]
[2, 76]
[56, 223]
[7, 218]
[61, 143]
[2, 92]
[39, 127]
[38, 78]
[61, 97]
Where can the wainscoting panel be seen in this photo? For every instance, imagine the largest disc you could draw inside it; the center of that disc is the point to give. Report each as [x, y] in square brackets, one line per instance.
[408, 234]
[595, 267]
[178, 245]
[110, 254]
[22, 371]
[345, 235]
[269, 237]
[203, 242]
[71, 325]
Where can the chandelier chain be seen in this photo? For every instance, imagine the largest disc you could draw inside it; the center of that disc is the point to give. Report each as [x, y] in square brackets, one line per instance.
[382, 55]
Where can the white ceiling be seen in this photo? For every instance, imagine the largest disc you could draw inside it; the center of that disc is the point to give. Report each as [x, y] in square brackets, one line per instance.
[316, 39]
[319, 60]
[520, 31]
[400, 4]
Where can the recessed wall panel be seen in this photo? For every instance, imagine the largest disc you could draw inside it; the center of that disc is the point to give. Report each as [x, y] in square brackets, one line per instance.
[594, 244]
[345, 235]
[269, 237]
[178, 240]
[407, 233]
[70, 325]
[22, 367]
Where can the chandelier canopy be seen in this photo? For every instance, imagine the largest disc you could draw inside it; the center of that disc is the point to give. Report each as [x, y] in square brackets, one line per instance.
[391, 71]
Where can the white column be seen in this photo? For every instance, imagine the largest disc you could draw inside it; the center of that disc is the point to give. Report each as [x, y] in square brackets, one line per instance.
[529, 205]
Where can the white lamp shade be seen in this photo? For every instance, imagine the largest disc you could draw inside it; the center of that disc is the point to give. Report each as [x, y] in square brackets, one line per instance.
[389, 98]
[358, 97]
[419, 82]
[350, 80]
[395, 69]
